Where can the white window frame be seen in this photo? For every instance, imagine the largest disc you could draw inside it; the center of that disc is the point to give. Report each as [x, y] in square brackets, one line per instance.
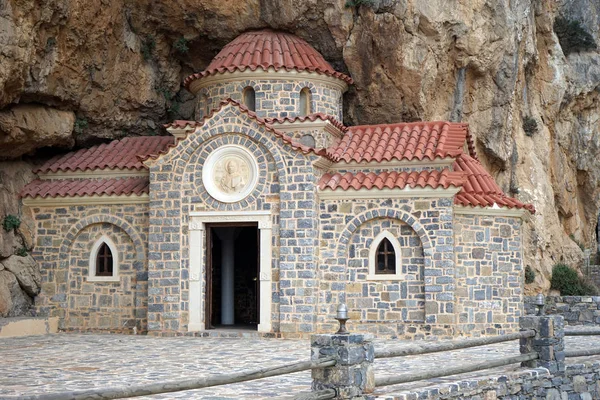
[93, 256]
[372, 276]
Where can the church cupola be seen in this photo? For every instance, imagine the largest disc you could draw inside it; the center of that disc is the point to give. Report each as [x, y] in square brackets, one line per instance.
[275, 74]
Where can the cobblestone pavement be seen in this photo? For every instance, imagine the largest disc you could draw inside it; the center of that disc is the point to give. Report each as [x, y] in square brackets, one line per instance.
[65, 362]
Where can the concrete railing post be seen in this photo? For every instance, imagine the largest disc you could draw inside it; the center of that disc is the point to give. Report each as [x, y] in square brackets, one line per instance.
[548, 341]
[352, 377]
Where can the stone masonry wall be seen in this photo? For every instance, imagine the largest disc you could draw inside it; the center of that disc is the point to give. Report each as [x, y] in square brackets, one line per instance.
[286, 187]
[387, 302]
[274, 98]
[577, 310]
[489, 274]
[425, 228]
[579, 382]
[65, 236]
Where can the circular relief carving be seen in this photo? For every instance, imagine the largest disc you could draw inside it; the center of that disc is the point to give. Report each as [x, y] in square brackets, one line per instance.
[230, 174]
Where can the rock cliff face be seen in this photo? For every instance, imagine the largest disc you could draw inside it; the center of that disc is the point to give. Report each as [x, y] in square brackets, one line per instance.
[74, 73]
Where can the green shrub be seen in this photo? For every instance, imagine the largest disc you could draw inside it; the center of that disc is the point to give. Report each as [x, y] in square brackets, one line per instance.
[357, 3]
[529, 274]
[81, 125]
[181, 45]
[22, 252]
[572, 36]
[530, 126]
[11, 222]
[567, 281]
[148, 46]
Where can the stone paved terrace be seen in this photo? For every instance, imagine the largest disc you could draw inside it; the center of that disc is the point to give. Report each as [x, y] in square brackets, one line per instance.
[51, 363]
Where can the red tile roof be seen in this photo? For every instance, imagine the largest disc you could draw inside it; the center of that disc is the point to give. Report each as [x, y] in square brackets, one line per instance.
[391, 180]
[261, 121]
[268, 49]
[402, 141]
[311, 117]
[85, 187]
[480, 189]
[118, 154]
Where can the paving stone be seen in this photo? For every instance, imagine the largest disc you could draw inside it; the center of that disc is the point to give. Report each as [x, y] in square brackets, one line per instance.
[62, 362]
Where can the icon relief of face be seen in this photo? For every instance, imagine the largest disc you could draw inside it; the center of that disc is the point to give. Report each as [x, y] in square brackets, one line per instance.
[232, 179]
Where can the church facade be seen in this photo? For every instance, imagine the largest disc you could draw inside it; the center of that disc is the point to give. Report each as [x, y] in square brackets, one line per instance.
[267, 212]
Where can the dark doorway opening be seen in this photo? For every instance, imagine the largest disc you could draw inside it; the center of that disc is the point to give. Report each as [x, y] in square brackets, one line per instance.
[232, 276]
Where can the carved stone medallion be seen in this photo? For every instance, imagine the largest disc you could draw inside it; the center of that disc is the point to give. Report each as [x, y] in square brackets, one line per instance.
[230, 173]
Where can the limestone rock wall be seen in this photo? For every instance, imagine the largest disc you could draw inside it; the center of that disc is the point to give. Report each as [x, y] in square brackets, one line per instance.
[93, 71]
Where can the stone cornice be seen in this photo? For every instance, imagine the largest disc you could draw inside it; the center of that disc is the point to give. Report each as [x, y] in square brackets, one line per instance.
[260, 74]
[386, 193]
[85, 200]
[493, 212]
[94, 174]
[290, 126]
[441, 163]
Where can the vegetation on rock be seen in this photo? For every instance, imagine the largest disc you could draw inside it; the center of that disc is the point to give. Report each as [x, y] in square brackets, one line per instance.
[567, 281]
[22, 252]
[181, 45]
[529, 275]
[572, 36]
[529, 125]
[148, 46]
[357, 3]
[11, 222]
[80, 125]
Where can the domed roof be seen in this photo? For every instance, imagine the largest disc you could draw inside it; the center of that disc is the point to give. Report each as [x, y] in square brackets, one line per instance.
[268, 49]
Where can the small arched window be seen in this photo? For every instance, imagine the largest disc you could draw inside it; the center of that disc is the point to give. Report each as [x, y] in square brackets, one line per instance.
[103, 261]
[384, 257]
[305, 100]
[206, 105]
[250, 98]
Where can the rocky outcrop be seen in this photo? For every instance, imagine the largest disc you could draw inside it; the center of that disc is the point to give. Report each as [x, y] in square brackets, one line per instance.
[13, 301]
[26, 272]
[27, 127]
[117, 69]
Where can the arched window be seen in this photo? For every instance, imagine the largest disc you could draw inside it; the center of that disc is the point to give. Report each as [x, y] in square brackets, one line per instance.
[384, 258]
[250, 98]
[305, 100]
[104, 261]
[206, 105]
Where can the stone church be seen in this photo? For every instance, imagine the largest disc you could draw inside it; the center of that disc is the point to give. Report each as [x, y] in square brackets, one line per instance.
[267, 212]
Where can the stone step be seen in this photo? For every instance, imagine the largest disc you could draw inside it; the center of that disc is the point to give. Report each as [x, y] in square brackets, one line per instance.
[28, 326]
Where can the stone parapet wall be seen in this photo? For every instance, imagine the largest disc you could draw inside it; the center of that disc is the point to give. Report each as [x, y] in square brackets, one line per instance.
[577, 310]
[578, 382]
[65, 237]
[489, 274]
[275, 98]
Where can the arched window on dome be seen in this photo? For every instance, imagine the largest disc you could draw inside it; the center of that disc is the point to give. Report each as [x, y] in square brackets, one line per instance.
[206, 105]
[305, 100]
[249, 96]
[104, 262]
[384, 258]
